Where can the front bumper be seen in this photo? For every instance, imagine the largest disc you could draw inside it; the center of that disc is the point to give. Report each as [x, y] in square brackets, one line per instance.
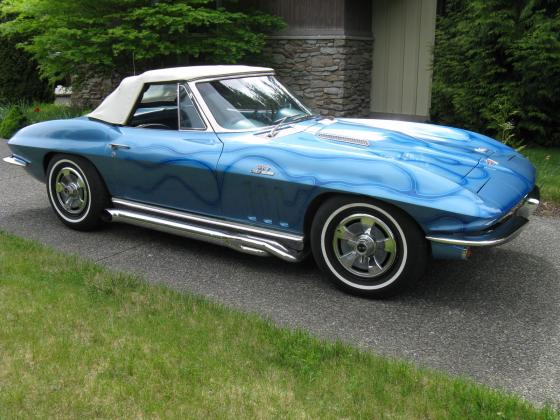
[507, 229]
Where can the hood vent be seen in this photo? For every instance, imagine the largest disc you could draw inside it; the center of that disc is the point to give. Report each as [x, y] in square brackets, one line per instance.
[344, 139]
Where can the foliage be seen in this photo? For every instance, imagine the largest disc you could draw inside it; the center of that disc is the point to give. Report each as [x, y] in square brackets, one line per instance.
[11, 120]
[501, 121]
[78, 37]
[86, 342]
[547, 162]
[19, 78]
[499, 57]
[16, 116]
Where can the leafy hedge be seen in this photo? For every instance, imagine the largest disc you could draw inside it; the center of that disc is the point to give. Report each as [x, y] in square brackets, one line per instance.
[16, 116]
[19, 77]
[497, 68]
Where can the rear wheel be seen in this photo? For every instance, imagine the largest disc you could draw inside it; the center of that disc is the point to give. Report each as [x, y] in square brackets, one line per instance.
[368, 248]
[76, 192]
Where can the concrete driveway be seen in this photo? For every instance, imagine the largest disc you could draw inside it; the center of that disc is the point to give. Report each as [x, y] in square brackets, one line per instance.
[495, 319]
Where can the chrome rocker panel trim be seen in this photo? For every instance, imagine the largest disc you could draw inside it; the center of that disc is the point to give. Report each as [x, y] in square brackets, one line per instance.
[506, 230]
[290, 240]
[247, 239]
[14, 160]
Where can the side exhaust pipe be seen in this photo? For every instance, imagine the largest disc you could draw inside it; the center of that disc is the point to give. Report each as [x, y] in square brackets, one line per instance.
[240, 242]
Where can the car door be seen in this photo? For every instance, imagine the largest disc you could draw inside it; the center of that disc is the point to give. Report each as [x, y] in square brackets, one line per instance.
[167, 154]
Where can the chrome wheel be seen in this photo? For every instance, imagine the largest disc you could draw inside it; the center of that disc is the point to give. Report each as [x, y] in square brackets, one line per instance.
[71, 191]
[368, 247]
[365, 245]
[76, 192]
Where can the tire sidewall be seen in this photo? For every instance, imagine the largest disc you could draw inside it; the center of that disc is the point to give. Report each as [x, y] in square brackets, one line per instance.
[53, 171]
[338, 270]
[411, 247]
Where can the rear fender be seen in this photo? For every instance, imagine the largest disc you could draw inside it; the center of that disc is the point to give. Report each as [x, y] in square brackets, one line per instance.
[80, 136]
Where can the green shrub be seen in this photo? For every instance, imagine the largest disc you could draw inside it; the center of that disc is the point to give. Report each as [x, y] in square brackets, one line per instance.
[497, 69]
[12, 120]
[45, 112]
[17, 116]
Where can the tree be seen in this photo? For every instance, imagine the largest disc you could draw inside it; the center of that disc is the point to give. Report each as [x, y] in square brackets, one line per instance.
[498, 62]
[19, 78]
[80, 37]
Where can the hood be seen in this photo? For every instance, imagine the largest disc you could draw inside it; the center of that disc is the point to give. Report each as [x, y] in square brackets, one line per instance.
[451, 152]
[494, 171]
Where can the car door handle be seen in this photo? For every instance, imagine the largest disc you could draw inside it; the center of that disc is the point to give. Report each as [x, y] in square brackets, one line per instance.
[115, 146]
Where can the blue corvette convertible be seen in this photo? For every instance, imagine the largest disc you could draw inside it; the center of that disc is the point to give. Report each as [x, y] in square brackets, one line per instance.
[226, 154]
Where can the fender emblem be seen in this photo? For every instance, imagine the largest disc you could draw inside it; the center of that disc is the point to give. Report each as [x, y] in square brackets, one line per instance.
[262, 170]
[491, 162]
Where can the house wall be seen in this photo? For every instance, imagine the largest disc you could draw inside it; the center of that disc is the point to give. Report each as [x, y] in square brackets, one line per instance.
[331, 75]
[327, 56]
[319, 17]
[403, 32]
[324, 56]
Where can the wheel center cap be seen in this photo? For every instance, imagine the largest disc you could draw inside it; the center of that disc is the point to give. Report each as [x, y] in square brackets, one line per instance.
[71, 189]
[365, 245]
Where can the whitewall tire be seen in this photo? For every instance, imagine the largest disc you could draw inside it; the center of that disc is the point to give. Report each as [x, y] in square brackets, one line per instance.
[368, 248]
[76, 192]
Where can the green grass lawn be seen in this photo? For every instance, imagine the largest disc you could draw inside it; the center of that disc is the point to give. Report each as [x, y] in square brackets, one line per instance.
[77, 340]
[547, 162]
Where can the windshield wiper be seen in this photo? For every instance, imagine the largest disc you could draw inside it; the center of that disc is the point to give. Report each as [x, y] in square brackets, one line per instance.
[277, 126]
[291, 119]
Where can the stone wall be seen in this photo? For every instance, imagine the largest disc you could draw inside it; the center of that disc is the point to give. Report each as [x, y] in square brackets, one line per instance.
[332, 76]
[91, 92]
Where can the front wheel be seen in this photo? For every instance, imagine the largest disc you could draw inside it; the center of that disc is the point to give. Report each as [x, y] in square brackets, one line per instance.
[369, 248]
[76, 192]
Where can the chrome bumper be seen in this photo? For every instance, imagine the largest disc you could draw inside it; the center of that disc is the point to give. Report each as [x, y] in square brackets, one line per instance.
[14, 160]
[507, 229]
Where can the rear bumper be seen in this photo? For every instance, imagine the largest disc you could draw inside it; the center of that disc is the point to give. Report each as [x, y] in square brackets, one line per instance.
[507, 229]
[14, 160]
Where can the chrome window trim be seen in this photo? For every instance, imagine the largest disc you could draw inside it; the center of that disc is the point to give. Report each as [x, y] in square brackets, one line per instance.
[207, 127]
[215, 125]
[233, 75]
[196, 107]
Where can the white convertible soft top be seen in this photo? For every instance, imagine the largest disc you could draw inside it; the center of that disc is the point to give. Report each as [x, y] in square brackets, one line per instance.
[116, 107]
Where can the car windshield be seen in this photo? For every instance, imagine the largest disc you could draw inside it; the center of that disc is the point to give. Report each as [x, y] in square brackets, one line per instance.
[249, 102]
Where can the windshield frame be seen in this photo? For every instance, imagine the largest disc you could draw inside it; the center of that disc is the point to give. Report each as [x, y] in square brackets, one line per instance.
[214, 123]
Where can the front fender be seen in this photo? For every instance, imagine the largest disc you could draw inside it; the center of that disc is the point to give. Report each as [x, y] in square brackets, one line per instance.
[299, 172]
